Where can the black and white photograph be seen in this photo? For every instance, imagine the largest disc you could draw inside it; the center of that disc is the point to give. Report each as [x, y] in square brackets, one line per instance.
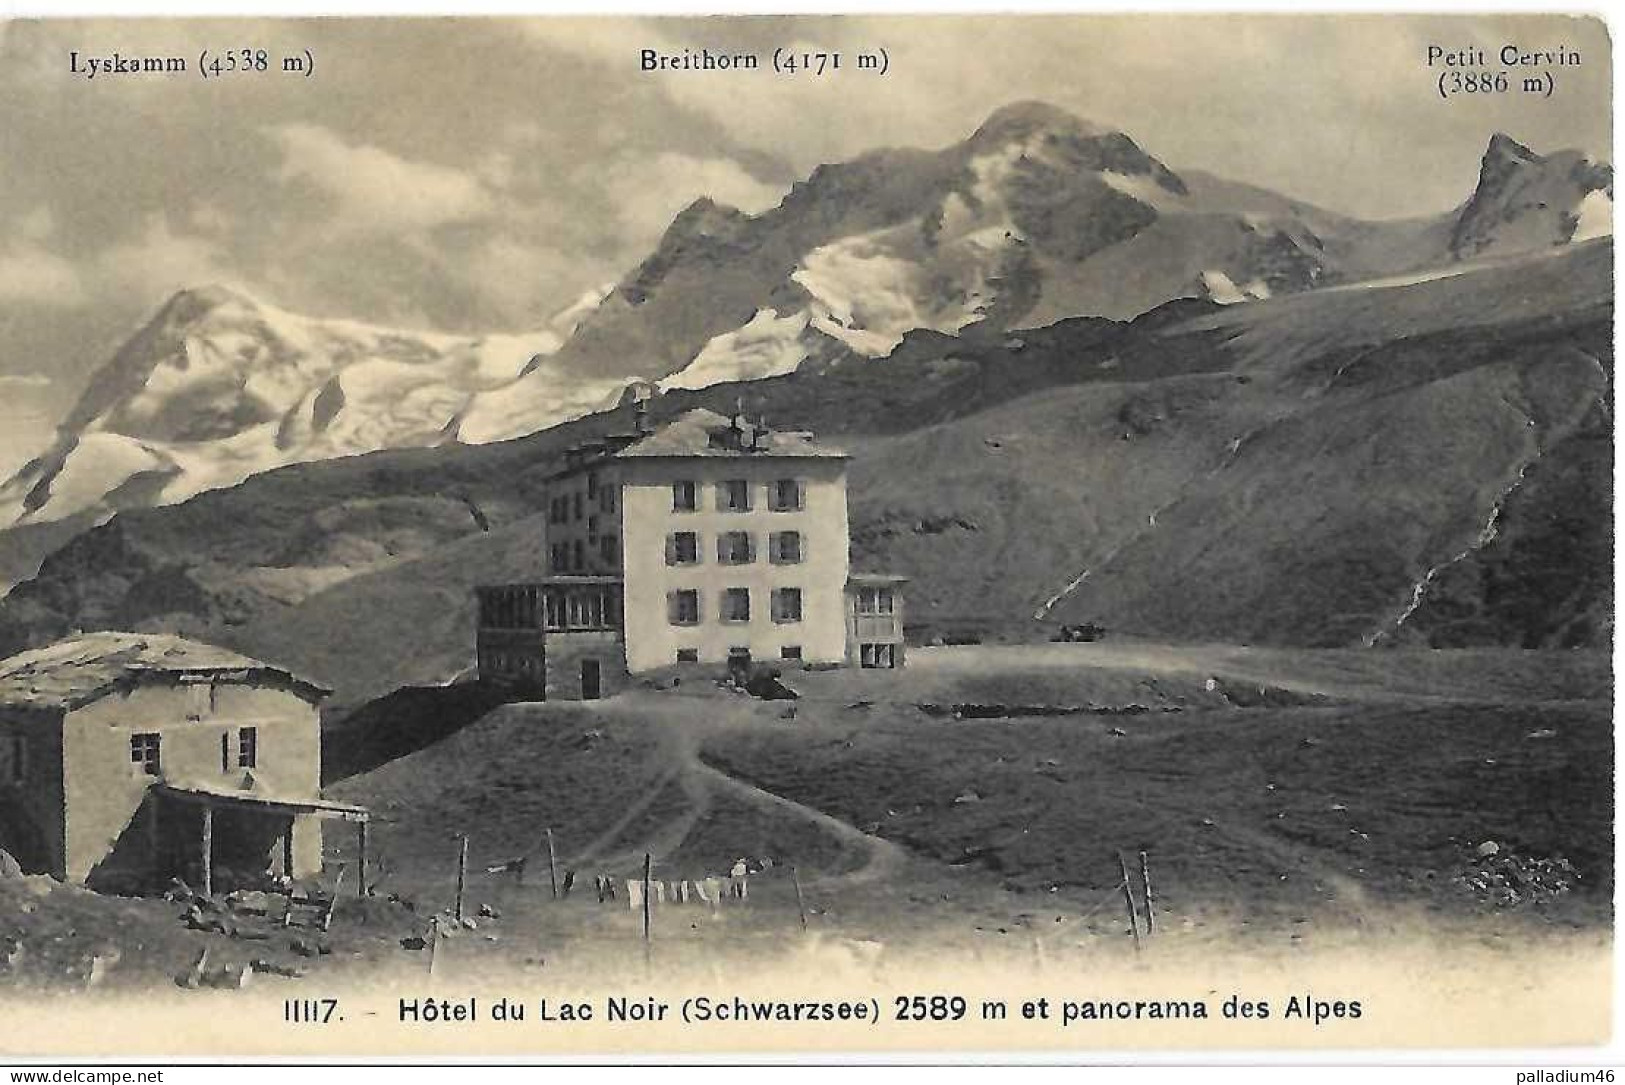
[650, 536]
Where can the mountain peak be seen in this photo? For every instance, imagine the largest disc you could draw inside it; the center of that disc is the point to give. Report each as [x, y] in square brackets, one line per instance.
[1503, 148]
[705, 215]
[1019, 120]
[193, 302]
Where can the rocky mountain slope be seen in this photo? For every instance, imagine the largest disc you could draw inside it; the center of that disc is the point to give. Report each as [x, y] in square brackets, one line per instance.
[219, 386]
[1424, 461]
[1037, 217]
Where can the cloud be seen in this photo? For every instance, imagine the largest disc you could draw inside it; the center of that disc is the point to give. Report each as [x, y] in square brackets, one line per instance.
[649, 192]
[376, 190]
[30, 274]
[158, 261]
[38, 225]
[517, 283]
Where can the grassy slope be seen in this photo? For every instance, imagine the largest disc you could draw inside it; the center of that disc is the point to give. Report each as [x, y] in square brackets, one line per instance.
[1238, 807]
[1377, 429]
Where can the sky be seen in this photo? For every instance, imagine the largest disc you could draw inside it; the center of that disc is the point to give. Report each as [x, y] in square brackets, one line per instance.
[479, 175]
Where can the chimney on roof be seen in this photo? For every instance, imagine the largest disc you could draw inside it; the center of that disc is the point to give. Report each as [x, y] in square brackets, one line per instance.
[640, 417]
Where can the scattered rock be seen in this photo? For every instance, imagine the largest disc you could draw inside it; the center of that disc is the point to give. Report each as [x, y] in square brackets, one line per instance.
[1506, 879]
[9, 866]
[230, 978]
[966, 797]
[488, 912]
[272, 968]
[192, 977]
[1544, 732]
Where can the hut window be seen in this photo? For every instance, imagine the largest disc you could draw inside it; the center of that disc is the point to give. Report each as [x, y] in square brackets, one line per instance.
[144, 752]
[248, 747]
[684, 496]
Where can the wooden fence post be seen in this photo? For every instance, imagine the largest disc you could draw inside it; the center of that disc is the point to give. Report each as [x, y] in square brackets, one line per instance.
[208, 850]
[648, 897]
[1128, 899]
[801, 905]
[361, 846]
[1150, 898]
[462, 875]
[552, 865]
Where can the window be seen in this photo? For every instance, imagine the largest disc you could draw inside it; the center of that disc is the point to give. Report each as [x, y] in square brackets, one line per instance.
[684, 496]
[733, 495]
[876, 655]
[735, 548]
[682, 548]
[592, 526]
[225, 751]
[688, 655]
[592, 485]
[874, 601]
[144, 752]
[784, 547]
[787, 604]
[580, 555]
[609, 548]
[785, 495]
[790, 651]
[739, 653]
[683, 607]
[248, 747]
[606, 499]
[736, 604]
[586, 610]
[576, 503]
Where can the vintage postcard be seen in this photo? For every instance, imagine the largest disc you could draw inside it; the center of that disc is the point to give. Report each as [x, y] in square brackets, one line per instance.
[948, 534]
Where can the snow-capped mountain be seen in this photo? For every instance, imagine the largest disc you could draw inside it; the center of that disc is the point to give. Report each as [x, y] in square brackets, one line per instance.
[219, 386]
[1035, 217]
[1526, 201]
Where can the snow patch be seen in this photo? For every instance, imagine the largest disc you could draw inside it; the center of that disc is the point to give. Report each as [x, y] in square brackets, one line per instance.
[768, 346]
[1596, 213]
[1142, 187]
[1221, 288]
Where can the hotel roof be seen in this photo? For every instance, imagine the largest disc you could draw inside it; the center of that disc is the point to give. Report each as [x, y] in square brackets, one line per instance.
[701, 432]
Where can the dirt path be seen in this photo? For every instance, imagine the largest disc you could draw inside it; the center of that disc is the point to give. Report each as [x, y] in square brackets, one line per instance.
[680, 745]
[884, 856]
